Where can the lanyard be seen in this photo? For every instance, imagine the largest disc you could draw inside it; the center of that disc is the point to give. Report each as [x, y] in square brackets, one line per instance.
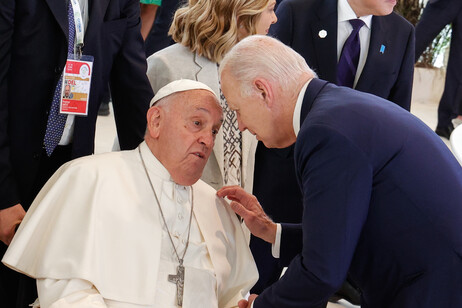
[79, 31]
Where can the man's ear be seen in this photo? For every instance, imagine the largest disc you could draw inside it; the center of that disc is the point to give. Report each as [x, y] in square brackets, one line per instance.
[264, 91]
[154, 118]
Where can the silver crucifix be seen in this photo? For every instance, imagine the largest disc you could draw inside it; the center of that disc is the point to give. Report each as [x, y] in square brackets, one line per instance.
[178, 279]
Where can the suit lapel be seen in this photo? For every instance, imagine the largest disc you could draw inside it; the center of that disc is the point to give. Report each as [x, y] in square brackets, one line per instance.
[59, 10]
[375, 57]
[326, 48]
[207, 72]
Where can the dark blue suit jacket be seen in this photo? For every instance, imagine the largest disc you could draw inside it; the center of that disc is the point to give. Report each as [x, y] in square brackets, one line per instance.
[382, 197]
[33, 52]
[388, 75]
[436, 15]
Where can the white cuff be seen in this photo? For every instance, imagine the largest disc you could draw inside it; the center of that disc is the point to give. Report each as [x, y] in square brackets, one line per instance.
[276, 247]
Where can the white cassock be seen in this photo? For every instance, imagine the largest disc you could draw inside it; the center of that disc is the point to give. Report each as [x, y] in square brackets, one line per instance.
[94, 237]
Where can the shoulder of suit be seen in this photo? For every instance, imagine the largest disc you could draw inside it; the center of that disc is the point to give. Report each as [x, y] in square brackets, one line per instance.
[170, 54]
[303, 4]
[172, 49]
[396, 21]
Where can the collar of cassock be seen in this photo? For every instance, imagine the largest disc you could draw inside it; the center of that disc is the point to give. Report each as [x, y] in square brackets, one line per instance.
[156, 168]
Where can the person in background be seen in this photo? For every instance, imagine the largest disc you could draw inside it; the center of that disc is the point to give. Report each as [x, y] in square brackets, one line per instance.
[374, 204]
[148, 15]
[436, 15]
[204, 31]
[35, 138]
[158, 37]
[138, 228]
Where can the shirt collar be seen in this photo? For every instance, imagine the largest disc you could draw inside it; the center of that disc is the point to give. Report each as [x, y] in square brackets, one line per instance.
[153, 165]
[155, 168]
[345, 13]
[298, 109]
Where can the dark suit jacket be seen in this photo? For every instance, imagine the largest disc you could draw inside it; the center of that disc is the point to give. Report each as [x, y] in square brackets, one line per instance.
[33, 50]
[436, 15]
[388, 75]
[382, 201]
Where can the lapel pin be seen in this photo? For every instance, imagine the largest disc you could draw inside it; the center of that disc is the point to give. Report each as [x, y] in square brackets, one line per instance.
[382, 49]
[322, 33]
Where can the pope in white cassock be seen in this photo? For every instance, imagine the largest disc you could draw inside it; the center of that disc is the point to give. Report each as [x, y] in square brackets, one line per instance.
[138, 228]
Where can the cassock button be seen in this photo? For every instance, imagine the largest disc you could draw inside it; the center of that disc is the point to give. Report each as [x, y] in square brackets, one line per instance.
[322, 33]
[180, 216]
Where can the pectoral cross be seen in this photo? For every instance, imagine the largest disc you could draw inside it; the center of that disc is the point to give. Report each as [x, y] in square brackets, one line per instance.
[178, 279]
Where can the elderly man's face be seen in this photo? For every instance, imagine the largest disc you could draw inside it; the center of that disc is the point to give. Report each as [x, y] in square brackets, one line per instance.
[252, 112]
[186, 134]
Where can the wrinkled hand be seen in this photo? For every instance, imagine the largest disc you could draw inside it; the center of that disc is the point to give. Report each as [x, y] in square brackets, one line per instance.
[247, 206]
[247, 304]
[9, 219]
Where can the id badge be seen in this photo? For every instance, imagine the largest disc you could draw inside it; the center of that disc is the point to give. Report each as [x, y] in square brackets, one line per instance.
[75, 91]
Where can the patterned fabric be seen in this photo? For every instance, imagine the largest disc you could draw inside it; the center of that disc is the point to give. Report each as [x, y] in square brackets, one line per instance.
[56, 120]
[348, 62]
[232, 145]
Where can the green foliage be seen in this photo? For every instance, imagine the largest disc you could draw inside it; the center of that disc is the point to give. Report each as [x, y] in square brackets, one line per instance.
[411, 10]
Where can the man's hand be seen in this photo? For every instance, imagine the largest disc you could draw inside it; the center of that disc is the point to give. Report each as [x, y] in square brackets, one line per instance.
[247, 304]
[247, 206]
[9, 219]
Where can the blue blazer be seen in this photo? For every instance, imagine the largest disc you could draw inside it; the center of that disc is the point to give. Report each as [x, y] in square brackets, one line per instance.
[33, 53]
[388, 74]
[382, 197]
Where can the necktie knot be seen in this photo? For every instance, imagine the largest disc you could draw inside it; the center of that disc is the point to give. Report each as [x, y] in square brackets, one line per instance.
[356, 24]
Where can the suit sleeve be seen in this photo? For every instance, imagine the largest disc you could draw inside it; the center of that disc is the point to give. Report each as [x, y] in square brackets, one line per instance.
[8, 190]
[336, 181]
[283, 30]
[131, 92]
[401, 93]
[436, 15]
[291, 242]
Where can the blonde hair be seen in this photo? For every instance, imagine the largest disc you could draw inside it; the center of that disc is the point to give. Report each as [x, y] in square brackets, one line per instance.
[211, 27]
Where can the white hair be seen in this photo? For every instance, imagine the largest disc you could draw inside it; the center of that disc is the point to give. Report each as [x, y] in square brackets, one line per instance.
[265, 57]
